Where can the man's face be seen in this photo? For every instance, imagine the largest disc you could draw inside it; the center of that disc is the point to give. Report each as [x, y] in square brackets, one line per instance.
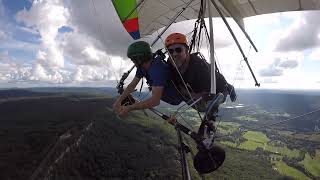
[179, 54]
[136, 60]
[141, 61]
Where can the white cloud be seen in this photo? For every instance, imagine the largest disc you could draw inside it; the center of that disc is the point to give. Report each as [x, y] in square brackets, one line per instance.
[3, 35]
[87, 48]
[4, 56]
[85, 73]
[270, 81]
[272, 64]
[81, 49]
[37, 73]
[3, 69]
[15, 73]
[263, 20]
[315, 54]
[10, 43]
[29, 30]
[298, 80]
[10, 70]
[288, 64]
[302, 33]
[271, 71]
[47, 17]
[94, 56]
[282, 62]
[106, 34]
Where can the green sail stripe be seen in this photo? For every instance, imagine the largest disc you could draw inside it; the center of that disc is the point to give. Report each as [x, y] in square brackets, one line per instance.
[124, 7]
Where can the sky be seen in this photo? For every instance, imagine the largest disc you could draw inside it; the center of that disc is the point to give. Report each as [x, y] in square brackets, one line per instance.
[73, 43]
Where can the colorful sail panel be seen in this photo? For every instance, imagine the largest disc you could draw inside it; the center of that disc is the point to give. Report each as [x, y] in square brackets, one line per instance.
[126, 10]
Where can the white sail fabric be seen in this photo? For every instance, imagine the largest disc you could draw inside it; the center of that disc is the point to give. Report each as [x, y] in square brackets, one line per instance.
[155, 14]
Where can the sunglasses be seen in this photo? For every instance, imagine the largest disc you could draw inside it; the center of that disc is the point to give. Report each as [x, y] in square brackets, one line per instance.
[178, 50]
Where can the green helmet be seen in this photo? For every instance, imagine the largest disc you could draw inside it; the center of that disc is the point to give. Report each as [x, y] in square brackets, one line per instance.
[139, 49]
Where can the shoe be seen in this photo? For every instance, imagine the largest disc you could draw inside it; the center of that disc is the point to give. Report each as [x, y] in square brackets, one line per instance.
[232, 93]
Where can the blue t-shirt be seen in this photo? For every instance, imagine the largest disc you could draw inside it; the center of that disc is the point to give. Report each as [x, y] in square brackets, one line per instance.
[158, 74]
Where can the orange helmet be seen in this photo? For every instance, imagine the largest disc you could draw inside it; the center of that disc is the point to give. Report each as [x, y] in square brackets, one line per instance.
[176, 38]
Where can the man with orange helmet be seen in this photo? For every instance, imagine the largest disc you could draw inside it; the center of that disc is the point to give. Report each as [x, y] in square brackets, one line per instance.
[194, 69]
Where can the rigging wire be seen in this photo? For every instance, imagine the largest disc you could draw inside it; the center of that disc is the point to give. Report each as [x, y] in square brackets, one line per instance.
[276, 123]
[242, 78]
[289, 119]
[241, 72]
[166, 5]
[141, 6]
[184, 120]
[132, 11]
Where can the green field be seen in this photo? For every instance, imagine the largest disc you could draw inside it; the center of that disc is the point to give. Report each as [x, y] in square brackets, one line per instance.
[285, 133]
[281, 114]
[256, 137]
[309, 137]
[253, 145]
[228, 143]
[277, 148]
[250, 145]
[283, 151]
[259, 139]
[312, 165]
[227, 127]
[246, 118]
[254, 140]
[284, 169]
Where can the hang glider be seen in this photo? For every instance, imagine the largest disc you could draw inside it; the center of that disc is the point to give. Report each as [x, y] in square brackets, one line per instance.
[142, 18]
[145, 17]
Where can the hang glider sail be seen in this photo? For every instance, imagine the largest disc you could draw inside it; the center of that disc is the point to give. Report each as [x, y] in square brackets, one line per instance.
[128, 15]
[143, 17]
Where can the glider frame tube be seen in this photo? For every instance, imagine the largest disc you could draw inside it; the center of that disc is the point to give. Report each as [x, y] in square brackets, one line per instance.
[236, 41]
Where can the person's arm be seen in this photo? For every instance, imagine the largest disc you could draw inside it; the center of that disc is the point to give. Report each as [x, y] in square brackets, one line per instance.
[153, 101]
[130, 88]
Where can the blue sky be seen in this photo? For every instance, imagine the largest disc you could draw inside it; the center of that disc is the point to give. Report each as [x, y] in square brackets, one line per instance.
[58, 43]
[14, 32]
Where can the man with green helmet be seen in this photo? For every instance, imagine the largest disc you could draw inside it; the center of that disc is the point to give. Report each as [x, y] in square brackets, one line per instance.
[139, 50]
[157, 73]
